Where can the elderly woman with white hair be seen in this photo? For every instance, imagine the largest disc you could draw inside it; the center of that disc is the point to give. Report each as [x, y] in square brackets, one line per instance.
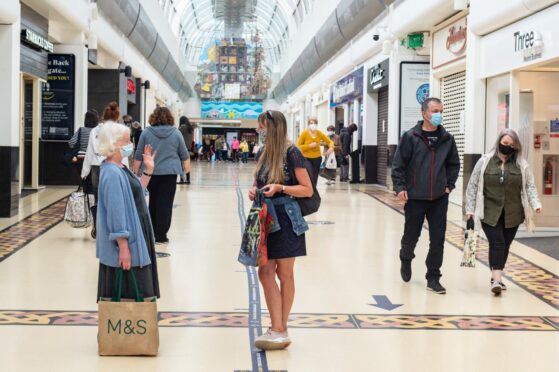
[125, 236]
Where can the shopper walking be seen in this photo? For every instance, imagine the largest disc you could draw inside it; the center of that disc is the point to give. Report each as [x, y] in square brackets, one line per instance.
[501, 195]
[172, 158]
[244, 151]
[309, 143]
[93, 158]
[187, 131]
[79, 142]
[218, 145]
[235, 147]
[346, 140]
[282, 176]
[425, 169]
[125, 235]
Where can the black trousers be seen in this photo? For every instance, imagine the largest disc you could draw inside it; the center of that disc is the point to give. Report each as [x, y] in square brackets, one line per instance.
[161, 196]
[355, 167]
[315, 164]
[500, 238]
[92, 183]
[435, 211]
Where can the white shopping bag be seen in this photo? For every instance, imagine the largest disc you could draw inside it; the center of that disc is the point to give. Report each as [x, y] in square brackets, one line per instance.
[331, 162]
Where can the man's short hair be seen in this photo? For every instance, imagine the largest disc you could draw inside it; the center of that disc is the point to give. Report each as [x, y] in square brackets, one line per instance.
[425, 104]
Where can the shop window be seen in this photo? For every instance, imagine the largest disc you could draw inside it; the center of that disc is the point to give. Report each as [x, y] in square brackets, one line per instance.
[497, 108]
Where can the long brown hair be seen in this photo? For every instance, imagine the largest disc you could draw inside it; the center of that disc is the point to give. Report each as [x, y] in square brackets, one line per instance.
[275, 149]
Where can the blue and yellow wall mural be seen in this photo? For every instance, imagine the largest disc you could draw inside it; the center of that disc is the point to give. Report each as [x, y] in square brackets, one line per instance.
[231, 110]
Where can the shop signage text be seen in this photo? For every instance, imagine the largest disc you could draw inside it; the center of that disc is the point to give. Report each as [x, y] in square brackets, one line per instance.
[530, 44]
[450, 42]
[36, 41]
[348, 88]
[58, 98]
[378, 77]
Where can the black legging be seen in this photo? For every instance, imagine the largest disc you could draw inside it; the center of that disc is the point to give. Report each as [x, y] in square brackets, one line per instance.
[500, 238]
[92, 183]
[315, 164]
[161, 196]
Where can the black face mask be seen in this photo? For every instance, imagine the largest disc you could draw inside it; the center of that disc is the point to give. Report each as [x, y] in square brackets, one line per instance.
[505, 149]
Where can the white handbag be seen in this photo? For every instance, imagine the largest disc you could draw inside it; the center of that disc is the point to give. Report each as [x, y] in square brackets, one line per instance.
[78, 212]
[331, 162]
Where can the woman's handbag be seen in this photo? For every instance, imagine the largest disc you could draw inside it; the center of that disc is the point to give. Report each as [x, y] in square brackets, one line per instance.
[128, 327]
[311, 204]
[78, 208]
[254, 248]
[470, 245]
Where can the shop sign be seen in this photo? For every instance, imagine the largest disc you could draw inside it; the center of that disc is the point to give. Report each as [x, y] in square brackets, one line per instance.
[377, 77]
[449, 43]
[414, 89]
[347, 89]
[36, 41]
[58, 98]
[529, 44]
[131, 86]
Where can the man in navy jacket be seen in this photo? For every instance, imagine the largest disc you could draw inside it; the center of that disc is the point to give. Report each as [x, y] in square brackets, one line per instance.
[424, 172]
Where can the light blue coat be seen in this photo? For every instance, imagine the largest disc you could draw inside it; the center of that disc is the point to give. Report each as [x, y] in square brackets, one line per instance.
[117, 217]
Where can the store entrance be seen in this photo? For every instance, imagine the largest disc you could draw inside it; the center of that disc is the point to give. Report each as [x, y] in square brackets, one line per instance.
[30, 121]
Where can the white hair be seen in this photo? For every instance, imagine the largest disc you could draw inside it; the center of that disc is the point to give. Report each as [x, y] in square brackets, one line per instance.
[109, 134]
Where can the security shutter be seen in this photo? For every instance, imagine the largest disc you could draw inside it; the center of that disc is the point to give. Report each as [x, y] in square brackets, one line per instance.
[453, 95]
[382, 139]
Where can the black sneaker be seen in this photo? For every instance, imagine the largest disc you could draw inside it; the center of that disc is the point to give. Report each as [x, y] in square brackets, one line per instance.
[503, 286]
[405, 270]
[435, 286]
[93, 233]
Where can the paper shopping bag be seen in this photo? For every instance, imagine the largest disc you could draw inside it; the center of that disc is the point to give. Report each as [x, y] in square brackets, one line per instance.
[128, 328]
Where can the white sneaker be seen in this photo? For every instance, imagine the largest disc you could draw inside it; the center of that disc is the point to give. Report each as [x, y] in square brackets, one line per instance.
[496, 288]
[272, 340]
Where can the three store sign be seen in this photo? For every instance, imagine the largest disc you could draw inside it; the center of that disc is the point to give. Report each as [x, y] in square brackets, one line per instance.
[529, 44]
[36, 41]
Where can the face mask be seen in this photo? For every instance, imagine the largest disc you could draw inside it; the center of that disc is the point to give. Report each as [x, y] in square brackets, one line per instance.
[312, 127]
[331, 133]
[505, 149]
[436, 119]
[127, 150]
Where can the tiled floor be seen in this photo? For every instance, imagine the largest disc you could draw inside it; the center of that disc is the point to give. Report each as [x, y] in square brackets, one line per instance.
[48, 285]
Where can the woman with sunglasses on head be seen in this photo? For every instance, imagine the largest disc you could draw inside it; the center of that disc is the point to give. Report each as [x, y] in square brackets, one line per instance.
[282, 177]
[501, 195]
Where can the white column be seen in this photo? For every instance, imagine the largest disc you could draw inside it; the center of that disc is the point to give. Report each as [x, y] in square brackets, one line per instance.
[475, 99]
[81, 79]
[9, 75]
[370, 119]
[346, 115]
[355, 120]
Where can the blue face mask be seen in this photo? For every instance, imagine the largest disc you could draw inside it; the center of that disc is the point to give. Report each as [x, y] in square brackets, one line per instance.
[436, 119]
[127, 150]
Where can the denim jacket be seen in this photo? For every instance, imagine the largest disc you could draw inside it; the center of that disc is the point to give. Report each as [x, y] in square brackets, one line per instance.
[293, 211]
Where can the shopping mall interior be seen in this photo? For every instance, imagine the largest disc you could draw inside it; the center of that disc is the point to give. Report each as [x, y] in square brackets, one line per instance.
[279, 185]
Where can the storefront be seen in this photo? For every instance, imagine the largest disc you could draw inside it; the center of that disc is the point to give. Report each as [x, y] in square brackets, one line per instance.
[34, 52]
[376, 156]
[448, 68]
[520, 63]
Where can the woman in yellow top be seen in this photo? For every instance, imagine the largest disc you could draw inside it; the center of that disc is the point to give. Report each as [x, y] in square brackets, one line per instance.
[309, 143]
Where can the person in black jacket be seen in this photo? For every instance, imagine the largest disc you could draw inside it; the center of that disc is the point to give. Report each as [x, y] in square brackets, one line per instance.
[346, 135]
[424, 172]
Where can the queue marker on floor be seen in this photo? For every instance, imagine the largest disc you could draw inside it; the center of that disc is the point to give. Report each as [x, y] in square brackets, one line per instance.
[383, 302]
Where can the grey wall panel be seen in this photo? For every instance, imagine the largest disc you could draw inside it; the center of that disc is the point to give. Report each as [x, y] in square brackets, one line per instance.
[329, 38]
[160, 55]
[123, 13]
[353, 16]
[144, 35]
[310, 59]
[34, 62]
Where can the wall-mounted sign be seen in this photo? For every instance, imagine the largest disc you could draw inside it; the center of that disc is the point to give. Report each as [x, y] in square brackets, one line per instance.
[530, 44]
[414, 89]
[377, 76]
[348, 88]
[449, 43]
[231, 110]
[58, 98]
[36, 41]
[131, 86]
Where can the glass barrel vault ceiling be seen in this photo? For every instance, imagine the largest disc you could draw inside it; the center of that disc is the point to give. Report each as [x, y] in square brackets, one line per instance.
[197, 23]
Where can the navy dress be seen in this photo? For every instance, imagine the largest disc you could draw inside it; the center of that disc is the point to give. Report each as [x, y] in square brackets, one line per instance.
[285, 243]
[146, 277]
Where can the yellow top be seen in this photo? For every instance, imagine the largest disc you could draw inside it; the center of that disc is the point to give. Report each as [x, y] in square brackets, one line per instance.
[306, 139]
[244, 147]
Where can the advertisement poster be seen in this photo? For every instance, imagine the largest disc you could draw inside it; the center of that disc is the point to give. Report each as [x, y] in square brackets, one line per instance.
[58, 98]
[414, 89]
[231, 110]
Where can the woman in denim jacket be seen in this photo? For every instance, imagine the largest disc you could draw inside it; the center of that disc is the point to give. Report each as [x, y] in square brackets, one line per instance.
[282, 176]
[124, 233]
